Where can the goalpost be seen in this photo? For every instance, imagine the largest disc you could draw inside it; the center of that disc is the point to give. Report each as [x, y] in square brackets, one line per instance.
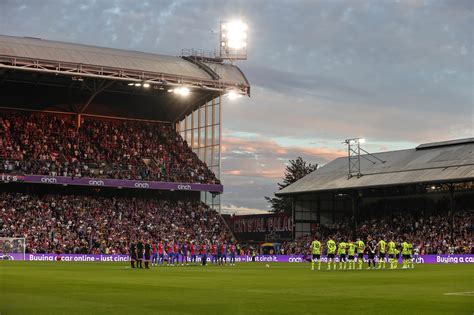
[12, 245]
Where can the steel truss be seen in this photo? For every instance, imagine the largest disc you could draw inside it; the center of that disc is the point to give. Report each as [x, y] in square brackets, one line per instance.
[90, 71]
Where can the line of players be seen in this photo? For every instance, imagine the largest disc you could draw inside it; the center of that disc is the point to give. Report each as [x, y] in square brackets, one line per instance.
[186, 253]
[349, 251]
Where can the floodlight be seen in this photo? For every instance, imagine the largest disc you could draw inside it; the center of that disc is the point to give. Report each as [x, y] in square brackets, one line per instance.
[183, 91]
[131, 83]
[138, 84]
[361, 140]
[234, 40]
[146, 85]
[232, 95]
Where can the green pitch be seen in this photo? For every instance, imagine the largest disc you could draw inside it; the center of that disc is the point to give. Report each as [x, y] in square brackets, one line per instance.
[248, 288]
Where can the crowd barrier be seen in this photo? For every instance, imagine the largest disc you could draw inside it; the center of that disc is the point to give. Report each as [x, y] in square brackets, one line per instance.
[422, 259]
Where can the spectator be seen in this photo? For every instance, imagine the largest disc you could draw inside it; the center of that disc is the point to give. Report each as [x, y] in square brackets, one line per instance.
[85, 224]
[45, 144]
[432, 234]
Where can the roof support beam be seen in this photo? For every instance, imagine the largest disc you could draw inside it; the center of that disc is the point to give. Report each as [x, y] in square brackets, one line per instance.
[108, 73]
[102, 86]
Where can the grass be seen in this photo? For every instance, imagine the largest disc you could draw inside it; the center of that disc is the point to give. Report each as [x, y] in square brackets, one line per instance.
[248, 288]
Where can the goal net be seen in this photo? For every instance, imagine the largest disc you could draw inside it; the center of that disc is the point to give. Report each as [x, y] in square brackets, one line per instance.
[12, 248]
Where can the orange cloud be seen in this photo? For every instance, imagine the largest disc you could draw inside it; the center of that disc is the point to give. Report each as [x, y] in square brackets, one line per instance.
[266, 158]
[233, 172]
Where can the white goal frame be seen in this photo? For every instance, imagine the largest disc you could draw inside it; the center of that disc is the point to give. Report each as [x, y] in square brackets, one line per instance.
[12, 245]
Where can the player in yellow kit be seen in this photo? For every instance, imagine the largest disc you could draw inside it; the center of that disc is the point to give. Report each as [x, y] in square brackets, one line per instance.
[381, 246]
[411, 262]
[331, 245]
[392, 253]
[341, 251]
[316, 252]
[351, 253]
[405, 254]
[360, 252]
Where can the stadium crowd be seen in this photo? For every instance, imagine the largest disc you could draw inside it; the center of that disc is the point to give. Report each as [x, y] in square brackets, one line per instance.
[78, 224]
[430, 234]
[44, 144]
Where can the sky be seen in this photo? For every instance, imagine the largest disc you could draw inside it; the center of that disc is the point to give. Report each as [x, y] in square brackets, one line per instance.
[398, 73]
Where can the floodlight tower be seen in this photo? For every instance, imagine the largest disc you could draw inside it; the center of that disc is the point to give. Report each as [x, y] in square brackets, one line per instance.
[353, 156]
[203, 126]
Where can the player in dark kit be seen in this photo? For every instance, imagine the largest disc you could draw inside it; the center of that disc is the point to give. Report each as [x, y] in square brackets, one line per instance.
[218, 254]
[371, 248]
[133, 254]
[204, 254]
[192, 250]
[147, 255]
[139, 254]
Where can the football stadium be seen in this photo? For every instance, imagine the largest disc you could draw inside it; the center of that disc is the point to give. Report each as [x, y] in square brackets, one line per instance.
[111, 186]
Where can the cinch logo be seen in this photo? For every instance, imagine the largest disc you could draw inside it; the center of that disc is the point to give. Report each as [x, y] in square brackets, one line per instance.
[142, 185]
[8, 178]
[295, 259]
[184, 187]
[49, 180]
[96, 183]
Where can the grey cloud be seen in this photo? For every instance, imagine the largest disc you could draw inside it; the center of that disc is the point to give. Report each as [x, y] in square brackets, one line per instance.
[321, 70]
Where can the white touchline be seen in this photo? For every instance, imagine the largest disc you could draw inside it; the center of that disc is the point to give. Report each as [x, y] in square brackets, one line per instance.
[471, 293]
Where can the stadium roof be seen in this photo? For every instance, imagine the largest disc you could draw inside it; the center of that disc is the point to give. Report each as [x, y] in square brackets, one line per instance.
[450, 161]
[106, 81]
[32, 54]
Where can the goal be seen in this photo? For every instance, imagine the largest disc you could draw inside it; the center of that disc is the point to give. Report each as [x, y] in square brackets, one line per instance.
[12, 248]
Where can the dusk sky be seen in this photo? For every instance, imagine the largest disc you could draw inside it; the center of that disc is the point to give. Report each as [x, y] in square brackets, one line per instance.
[397, 73]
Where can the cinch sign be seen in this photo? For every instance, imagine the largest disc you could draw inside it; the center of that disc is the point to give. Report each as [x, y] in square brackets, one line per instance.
[49, 180]
[184, 187]
[122, 183]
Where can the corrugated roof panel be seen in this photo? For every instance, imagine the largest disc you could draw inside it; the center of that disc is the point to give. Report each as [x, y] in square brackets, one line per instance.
[444, 143]
[226, 72]
[115, 58]
[440, 163]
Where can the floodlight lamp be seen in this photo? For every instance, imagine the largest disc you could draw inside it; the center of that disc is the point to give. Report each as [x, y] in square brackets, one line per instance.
[131, 84]
[236, 44]
[138, 84]
[183, 91]
[361, 140]
[146, 85]
[235, 26]
[235, 34]
[233, 95]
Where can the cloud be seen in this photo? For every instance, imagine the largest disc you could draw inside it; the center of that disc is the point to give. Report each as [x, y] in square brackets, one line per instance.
[263, 157]
[253, 164]
[233, 209]
[276, 114]
[398, 73]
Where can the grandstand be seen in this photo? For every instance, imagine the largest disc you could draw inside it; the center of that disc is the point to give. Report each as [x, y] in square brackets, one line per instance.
[102, 146]
[429, 188]
[83, 90]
